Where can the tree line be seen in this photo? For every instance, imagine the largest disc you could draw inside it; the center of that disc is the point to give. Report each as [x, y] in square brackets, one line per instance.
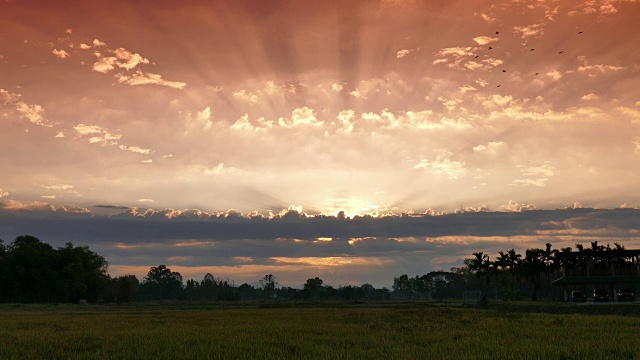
[512, 275]
[34, 272]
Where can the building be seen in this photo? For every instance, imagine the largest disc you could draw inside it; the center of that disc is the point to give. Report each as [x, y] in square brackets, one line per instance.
[609, 269]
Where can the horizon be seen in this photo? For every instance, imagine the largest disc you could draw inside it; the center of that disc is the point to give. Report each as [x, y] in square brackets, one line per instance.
[144, 132]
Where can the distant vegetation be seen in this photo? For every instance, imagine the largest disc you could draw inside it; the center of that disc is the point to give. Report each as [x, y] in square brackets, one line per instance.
[34, 272]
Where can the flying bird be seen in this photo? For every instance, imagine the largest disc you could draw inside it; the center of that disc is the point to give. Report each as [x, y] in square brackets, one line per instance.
[504, 70]
[531, 49]
[490, 48]
[560, 52]
[497, 32]
[536, 73]
[477, 56]
[579, 32]
[498, 85]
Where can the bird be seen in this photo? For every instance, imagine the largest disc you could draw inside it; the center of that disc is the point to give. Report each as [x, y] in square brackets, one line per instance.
[561, 52]
[477, 56]
[531, 49]
[579, 32]
[490, 48]
[504, 70]
[498, 85]
[497, 32]
[536, 73]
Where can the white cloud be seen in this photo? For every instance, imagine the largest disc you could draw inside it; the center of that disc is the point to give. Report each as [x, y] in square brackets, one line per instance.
[514, 206]
[145, 200]
[535, 175]
[51, 197]
[60, 134]
[525, 32]
[443, 166]
[242, 123]
[104, 136]
[205, 116]
[84, 46]
[367, 88]
[456, 51]
[8, 97]
[590, 96]
[147, 161]
[486, 17]
[61, 54]
[637, 145]
[345, 118]
[104, 64]
[58, 187]
[404, 52]
[3, 193]
[555, 75]
[140, 78]
[303, 116]
[98, 43]
[492, 147]
[135, 149]
[244, 95]
[128, 60]
[220, 169]
[484, 40]
[33, 113]
[600, 68]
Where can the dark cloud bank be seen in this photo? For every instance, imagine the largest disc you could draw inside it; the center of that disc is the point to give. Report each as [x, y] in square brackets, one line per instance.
[152, 226]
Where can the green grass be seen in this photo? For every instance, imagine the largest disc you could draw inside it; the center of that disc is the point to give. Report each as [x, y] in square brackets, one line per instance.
[334, 331]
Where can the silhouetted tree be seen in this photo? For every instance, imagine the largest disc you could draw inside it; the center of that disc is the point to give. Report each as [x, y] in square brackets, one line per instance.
[313, 287]
[268, 283]
[162, 283]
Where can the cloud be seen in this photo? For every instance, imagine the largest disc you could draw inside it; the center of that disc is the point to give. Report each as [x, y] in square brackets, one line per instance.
[514, 206]
[60, 54]
[484, 40]
[128, 60]
[145, 200]
[58, 187]
[303, 116]
[140, 78]
[98, 43]
[3, 193]
[526, 32]
[600, 68]
[402, 53]
[9, 97]
[220, 169]
[590, 96]
[60, 134]
[205, 116]
[443, 166]
[492, 147]
[84, 46]
[486, 17]
[33, 113]
[245, 96]
[535, 175]
[135, 149]
[101, 135]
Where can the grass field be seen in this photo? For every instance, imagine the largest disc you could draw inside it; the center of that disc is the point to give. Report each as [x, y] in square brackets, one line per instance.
[329, 331]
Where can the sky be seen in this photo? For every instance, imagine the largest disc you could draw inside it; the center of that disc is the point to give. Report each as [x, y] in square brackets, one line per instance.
[351, 140]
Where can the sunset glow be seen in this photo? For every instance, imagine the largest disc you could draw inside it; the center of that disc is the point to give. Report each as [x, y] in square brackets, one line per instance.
[300, 138]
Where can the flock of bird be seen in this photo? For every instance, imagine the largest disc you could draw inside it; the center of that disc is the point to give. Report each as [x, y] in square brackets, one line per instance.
[532, 49]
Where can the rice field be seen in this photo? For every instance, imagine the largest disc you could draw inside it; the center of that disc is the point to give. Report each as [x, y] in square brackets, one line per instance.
[418, 331]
